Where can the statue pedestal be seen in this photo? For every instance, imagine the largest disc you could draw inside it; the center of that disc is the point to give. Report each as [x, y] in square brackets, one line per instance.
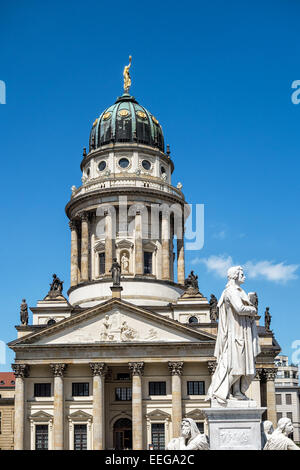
[235, 425]
[116, 292]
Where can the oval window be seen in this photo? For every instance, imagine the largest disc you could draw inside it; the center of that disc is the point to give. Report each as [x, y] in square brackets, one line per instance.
[102, 166]
[88, 171]
[146, 164]
[193, 320]
[123, 162]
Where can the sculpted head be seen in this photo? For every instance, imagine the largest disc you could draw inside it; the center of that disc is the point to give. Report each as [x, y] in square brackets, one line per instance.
[189, 429]
[285, 425]
[236, 273]
[268, 427]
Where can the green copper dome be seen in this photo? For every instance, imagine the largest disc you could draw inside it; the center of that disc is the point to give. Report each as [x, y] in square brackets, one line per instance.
[126, 121]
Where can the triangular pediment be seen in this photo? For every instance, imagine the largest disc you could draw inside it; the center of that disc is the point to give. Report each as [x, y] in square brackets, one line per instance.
[40, 416]
[158, 414]
[80, 416]
[115, 322]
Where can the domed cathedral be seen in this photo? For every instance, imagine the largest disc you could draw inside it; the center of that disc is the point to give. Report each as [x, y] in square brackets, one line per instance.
[125, 210]
[129, 351]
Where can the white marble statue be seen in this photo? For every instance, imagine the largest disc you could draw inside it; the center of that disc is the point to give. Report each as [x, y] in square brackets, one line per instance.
[267, 431]
[279, 439]
[237, 342]
[105, 327]
[190, 439]
[125, 263]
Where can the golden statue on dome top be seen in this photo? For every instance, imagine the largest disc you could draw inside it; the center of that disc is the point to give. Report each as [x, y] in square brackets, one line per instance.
[127, 79]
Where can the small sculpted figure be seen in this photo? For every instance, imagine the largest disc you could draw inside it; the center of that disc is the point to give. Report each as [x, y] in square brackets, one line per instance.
[279, 439]
[24, 312]
[115, 272]
[190, 439]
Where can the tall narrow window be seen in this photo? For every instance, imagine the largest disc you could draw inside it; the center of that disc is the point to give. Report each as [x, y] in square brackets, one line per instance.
[288, 399]
[80, 437]
[41, 437]
[101, 263]
[147, 262]
[278, 399]
[0, 422]
[158, 436]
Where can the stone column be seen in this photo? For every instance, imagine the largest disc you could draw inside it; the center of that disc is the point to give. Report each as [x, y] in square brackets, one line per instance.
[139, 262]
[20, 371]
[137, 369]
[175, 369]
[108, 243]
[180, 258]
[165, 235]
[84, 247]
[74, 253]
[99, 370]
[270, 375]
[58, 411]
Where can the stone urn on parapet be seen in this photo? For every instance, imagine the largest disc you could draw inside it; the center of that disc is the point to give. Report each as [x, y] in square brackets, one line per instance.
[234, 420]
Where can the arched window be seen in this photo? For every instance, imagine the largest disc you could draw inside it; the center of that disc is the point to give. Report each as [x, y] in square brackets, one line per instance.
[193, 320]
[51, 322]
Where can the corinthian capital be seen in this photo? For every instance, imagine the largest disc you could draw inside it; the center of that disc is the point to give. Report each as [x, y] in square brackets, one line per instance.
[84, 216]
[20, 370]
[58, 370]
[137, 368]
[98, 368]
[175, 368]
[271, 373]
[72, 224]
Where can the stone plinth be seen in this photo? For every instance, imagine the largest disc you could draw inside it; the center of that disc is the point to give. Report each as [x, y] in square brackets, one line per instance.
[234, 426]
[116, 292]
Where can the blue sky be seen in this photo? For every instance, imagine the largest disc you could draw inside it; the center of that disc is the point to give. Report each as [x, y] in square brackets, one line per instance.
[218, 77]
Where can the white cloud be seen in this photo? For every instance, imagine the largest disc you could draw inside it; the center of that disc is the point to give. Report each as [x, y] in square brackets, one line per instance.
[274, 272]
[279, 272]
[217, 264]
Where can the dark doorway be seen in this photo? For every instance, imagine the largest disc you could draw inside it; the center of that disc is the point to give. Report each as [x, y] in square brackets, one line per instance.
[123, 434]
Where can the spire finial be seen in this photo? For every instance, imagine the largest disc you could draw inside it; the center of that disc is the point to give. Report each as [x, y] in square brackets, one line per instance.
[127, 79]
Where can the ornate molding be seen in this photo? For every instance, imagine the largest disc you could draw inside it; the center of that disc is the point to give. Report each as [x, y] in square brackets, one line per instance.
[270, 374]
[175, 368]
[58, 370]
[260, 375]
[136, 368]
[98, 368]
[20, 370]
[84, 216]
[211, 365]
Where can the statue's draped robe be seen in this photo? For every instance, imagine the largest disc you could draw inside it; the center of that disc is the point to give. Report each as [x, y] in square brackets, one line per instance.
[237, 343]
[279, 441]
